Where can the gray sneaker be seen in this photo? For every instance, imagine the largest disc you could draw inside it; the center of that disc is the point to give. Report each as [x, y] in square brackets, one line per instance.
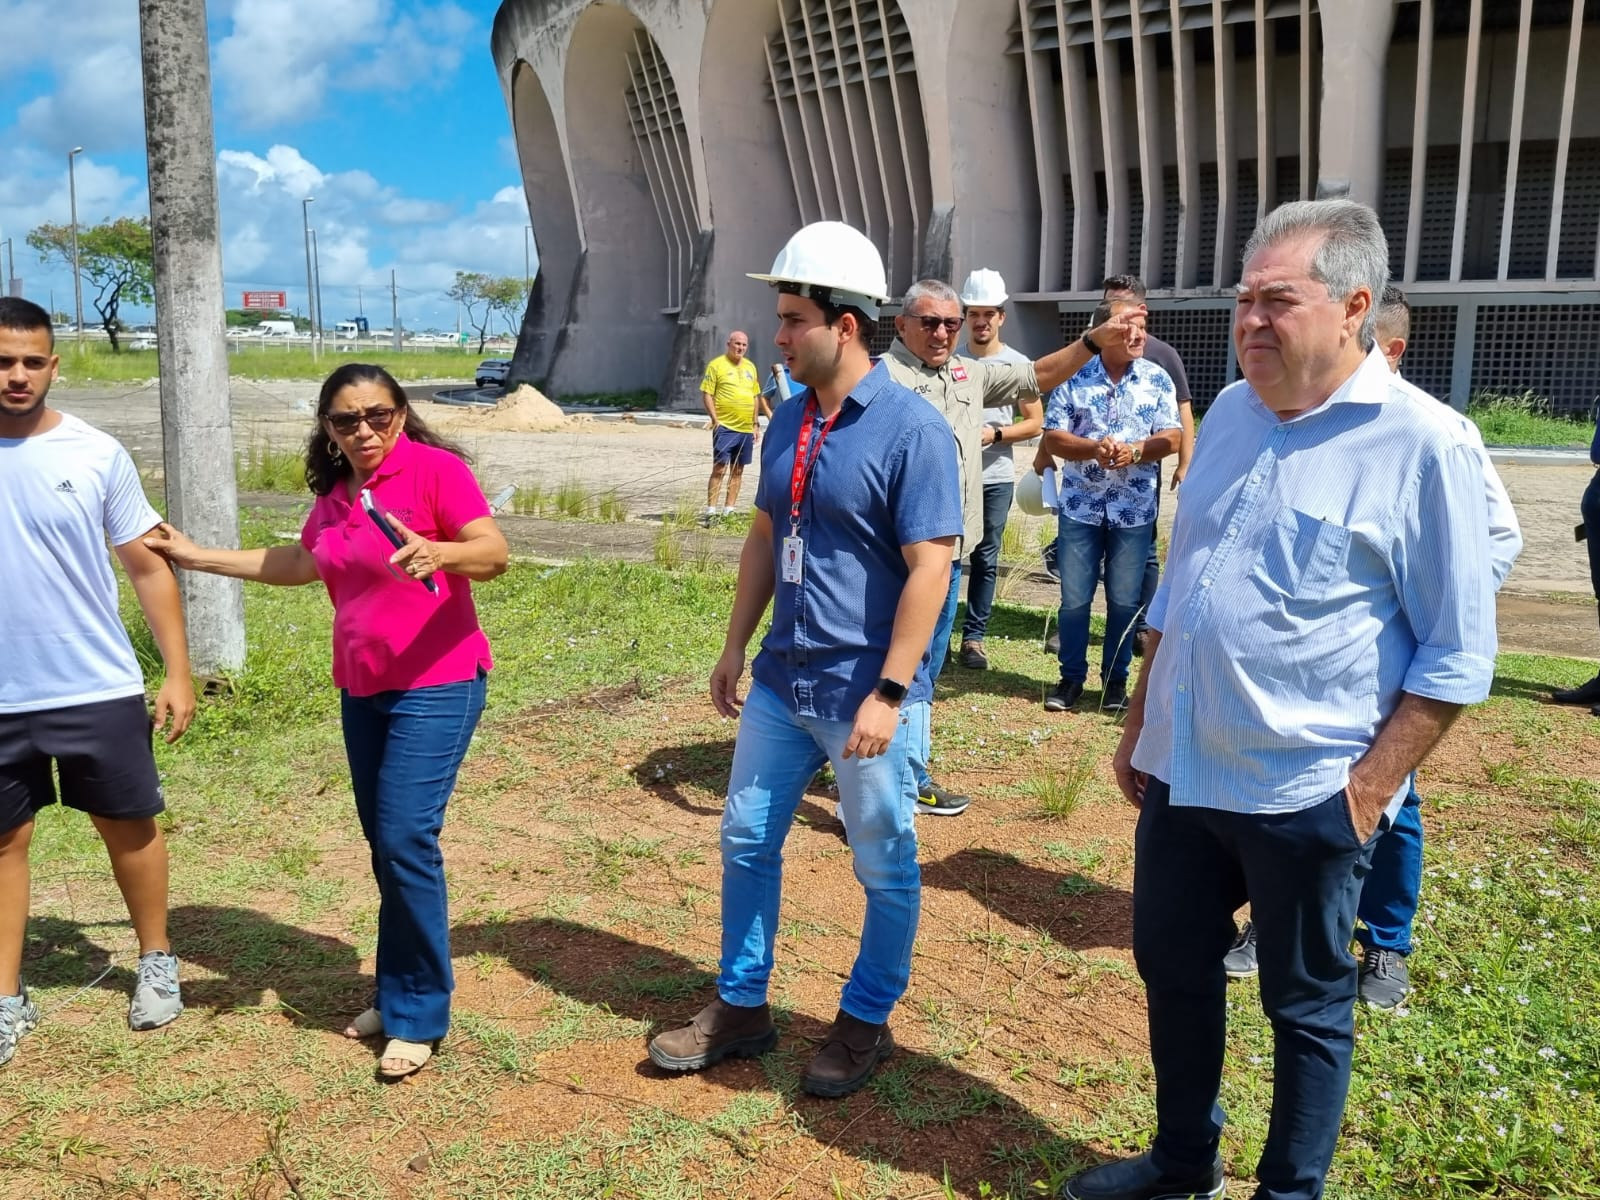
[156, 1001]
[18, 1014]
[1240, 962]
[1385, 981]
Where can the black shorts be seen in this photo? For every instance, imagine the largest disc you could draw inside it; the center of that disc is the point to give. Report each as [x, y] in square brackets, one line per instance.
[102, 752]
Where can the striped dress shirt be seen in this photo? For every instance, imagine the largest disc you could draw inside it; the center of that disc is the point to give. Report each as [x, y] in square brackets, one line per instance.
[1319, 567]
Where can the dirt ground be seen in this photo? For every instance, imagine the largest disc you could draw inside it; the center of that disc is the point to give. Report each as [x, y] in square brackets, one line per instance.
[1545, 607]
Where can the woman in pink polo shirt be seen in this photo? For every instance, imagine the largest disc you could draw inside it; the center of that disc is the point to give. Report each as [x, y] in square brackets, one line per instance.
[409, 658]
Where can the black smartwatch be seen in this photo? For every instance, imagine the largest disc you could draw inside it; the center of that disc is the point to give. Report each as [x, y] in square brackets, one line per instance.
[999, 433]
[891, 690]
[1089, 344]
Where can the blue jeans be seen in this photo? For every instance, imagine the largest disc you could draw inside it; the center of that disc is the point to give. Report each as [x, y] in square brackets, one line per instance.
[774, 757]
[921, 731]
[404, 750]
[1390, 895]
[1301, 873]
[1082, 549]
[983, 568]
[1152, 568]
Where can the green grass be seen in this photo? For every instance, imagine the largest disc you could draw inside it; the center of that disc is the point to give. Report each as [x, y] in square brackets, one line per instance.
[1508, 419]
[261, 468]
[641, 400]
[585, 917]
[95, 363]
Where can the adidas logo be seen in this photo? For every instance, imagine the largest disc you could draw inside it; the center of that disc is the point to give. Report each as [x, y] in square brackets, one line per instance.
[66, 486]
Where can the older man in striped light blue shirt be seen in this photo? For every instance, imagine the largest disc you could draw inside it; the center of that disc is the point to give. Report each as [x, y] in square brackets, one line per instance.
[1328, 608]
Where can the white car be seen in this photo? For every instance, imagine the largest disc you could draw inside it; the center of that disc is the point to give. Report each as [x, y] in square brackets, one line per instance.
[493, 371]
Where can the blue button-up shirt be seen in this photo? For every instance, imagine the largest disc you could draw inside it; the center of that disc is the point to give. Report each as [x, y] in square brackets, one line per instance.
[1144, 401]
[886, 477]
[1319, 567]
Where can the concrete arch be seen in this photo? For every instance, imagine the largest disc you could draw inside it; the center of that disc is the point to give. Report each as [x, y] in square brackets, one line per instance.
[616, 336]
[555, 222]
[751, 199]
[993, 185]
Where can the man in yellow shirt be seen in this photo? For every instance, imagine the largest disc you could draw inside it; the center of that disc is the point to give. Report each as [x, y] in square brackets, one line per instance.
[731, 392]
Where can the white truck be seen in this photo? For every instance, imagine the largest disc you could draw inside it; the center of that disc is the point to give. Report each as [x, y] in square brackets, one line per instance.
[276, 328]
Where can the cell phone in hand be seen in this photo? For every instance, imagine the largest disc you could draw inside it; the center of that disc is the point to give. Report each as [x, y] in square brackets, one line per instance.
[380, 517]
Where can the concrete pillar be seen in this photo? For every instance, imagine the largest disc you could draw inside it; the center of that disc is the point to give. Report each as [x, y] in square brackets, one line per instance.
[1355, 59]
[196, 422]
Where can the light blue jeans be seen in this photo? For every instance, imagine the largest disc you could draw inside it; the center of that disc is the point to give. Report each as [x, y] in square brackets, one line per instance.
[775, 756]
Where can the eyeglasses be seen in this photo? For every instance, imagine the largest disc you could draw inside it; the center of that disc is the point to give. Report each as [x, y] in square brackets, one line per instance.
[932, 324]
[378, 419]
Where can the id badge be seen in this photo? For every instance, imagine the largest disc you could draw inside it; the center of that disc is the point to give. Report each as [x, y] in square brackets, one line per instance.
[793, 555]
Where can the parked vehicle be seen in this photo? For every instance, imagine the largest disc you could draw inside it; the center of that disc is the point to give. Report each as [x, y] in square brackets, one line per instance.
[277, 328]
[493, 371]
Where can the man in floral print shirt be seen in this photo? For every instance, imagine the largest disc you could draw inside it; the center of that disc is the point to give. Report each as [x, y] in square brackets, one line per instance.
[1111, 423]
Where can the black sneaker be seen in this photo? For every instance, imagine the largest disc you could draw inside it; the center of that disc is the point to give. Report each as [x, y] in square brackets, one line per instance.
[1385, 980]
[935, 801]
[1240, 961]
[1140, 1179]
[1114, 699]
[1050, 563]
[1065, 695]
[1584, 693]
[972, 656]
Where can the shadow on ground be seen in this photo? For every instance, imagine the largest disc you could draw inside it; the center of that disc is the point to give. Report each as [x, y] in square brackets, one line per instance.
[919, 1112]
[316, 979]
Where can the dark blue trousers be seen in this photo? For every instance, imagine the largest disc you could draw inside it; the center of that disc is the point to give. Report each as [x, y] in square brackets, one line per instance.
[404, 749]
[1301, 873]
[983, 566]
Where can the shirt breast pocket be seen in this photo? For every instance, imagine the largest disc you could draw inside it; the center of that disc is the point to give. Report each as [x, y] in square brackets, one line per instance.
[1303, 556]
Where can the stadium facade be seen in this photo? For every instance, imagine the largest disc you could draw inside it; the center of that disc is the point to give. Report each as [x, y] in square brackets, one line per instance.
[670, 146]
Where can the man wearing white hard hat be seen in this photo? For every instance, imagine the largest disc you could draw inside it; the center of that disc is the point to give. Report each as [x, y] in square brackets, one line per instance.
[923, 359]
[983, 296]
[858, 511]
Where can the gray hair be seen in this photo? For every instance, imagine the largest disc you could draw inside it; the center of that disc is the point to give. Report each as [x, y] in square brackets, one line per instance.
[1353, 254]
[931, 289]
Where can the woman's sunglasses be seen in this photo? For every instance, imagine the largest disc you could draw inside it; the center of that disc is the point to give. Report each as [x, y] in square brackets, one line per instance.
[378, 419]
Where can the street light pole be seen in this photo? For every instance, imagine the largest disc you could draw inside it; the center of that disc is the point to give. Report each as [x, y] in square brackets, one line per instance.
[311, 283]
[316, 263]
[77, 280]
[11, 267]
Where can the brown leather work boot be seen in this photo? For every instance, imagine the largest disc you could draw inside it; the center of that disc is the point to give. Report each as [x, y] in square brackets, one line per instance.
[851, 1051]
[718, 1030]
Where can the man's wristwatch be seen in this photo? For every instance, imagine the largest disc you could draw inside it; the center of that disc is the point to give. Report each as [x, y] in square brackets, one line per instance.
[1090, 345]
[999, 433]
[891, 690]
[1138, 451]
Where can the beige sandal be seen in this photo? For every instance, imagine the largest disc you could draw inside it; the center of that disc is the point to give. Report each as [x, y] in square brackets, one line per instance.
[368, 1024]
[414, 1055]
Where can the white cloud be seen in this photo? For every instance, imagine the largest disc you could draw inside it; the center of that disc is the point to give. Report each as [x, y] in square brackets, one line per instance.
[97, 100]
[282, 59]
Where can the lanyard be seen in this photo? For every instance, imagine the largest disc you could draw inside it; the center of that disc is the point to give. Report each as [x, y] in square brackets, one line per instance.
[800, 476]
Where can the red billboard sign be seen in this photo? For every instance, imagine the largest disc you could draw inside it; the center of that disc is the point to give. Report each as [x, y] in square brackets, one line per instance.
[266, 300]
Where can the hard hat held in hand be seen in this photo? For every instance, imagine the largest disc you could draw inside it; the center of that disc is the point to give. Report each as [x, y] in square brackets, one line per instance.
[832, 263]
[1030, 494]
[985, 288]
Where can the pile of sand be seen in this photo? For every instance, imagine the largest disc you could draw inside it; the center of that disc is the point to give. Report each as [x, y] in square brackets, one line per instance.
[526, 410]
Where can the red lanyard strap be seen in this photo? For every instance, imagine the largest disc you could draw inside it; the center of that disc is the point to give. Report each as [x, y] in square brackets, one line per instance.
[805, 457]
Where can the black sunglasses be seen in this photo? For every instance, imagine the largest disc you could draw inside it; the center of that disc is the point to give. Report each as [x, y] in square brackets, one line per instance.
[931, 324]
[378, 419]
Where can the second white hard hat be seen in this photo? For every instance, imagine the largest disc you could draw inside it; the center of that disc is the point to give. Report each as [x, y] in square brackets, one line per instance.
[1030, 494]
[832, 263]
[984, 287]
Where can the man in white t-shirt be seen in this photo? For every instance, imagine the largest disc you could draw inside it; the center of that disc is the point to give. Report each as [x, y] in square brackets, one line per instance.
[72, 694]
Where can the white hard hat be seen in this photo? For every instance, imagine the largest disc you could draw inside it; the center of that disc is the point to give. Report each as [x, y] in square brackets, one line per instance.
[984, 287]
[1030, 494]
[832, 263]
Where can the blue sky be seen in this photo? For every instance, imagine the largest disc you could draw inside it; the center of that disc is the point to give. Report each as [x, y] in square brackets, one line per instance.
[387, 111]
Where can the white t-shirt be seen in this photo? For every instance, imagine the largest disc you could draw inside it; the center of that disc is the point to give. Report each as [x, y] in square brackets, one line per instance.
[62, 494]
[997, 464]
